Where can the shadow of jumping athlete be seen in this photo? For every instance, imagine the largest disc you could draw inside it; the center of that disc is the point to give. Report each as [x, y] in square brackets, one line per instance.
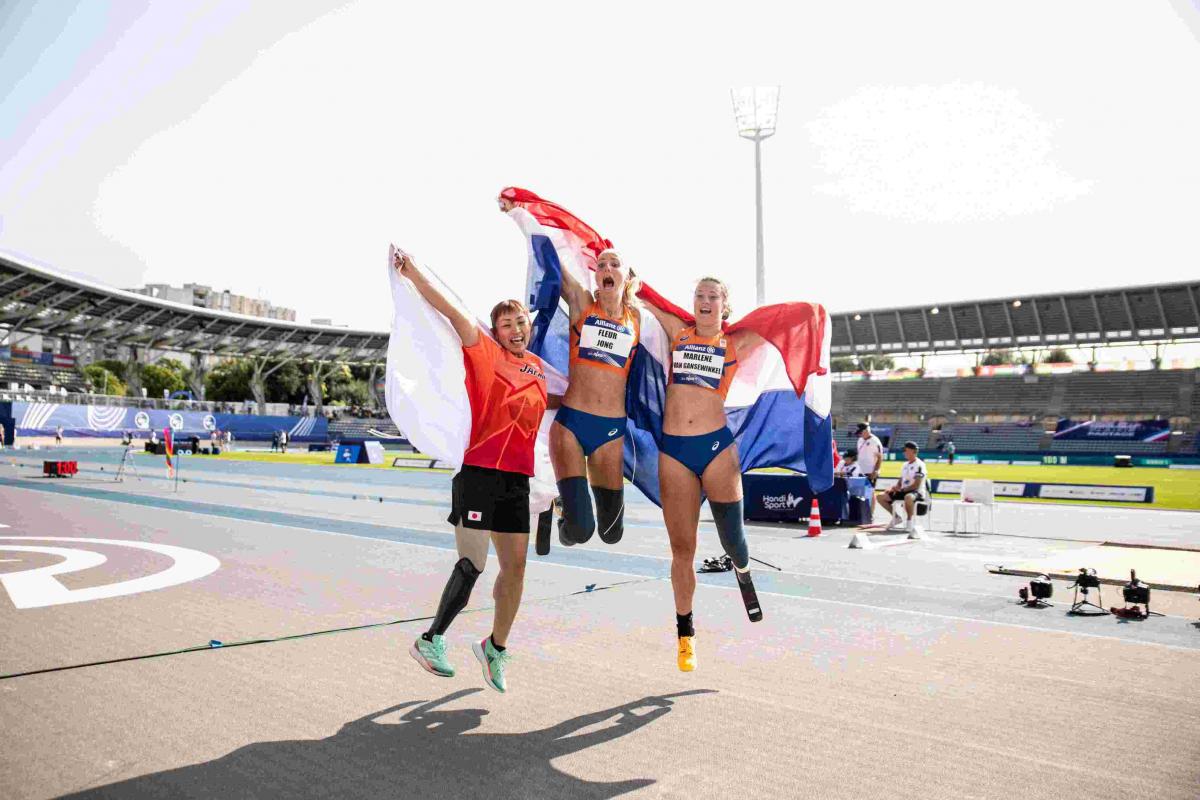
[429, 752]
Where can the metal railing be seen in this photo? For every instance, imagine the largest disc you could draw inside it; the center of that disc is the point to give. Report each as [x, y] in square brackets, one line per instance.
[64, 397]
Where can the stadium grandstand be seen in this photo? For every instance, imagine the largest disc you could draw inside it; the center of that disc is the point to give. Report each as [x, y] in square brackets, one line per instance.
[73, 321]
[1140, 314]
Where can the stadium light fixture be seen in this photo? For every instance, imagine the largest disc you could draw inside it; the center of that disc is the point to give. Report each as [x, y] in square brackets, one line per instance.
[934, 310]
[756, 111]
[1016, 303]
[857, 317]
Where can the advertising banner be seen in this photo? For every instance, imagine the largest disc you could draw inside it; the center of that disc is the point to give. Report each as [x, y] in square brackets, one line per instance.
[1151, 430]
[786, 497]
[1056, 491]
[42, 419]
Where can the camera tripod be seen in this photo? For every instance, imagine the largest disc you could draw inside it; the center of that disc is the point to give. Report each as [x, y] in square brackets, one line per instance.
[127, 463]
[1084, 582]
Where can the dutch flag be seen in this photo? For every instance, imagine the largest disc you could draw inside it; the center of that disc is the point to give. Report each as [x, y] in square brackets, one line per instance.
[779, 402]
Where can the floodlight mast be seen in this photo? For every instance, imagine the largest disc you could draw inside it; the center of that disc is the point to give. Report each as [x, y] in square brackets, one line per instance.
[755, 109]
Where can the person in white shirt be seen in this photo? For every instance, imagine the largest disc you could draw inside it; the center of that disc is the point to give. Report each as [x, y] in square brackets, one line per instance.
[870, 452]
[849, 466]
[910, 489]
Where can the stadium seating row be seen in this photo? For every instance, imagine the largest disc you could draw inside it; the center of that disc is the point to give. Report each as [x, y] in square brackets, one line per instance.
[354, 428]
[997, 437]
[40, 376]
[1107, 395]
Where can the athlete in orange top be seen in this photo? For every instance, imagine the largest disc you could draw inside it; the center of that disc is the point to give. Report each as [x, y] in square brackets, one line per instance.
[490, 494]
[587, 439]
[697, 453]
[508, 398]
[709, 362]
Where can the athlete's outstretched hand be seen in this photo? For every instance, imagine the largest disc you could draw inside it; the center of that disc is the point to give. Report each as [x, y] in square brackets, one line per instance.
[467, 329]
[404, 264]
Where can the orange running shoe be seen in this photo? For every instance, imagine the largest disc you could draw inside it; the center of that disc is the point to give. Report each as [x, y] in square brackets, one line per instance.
[687, 653]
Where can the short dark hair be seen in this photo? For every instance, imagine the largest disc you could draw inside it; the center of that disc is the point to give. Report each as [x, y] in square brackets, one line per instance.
[912, 445]
[508, 307]
[863, 426]
[850, 454]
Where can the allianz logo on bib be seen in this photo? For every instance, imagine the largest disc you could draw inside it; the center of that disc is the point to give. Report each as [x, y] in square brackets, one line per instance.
[475, 516]
[781, 502]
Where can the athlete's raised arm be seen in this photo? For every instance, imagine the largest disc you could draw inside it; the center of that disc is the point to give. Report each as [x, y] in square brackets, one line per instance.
[578, 298]
[466, 328]
[671, 323]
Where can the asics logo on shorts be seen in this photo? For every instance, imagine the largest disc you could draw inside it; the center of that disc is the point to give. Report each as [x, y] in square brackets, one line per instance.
[613, 432]
[716, 444]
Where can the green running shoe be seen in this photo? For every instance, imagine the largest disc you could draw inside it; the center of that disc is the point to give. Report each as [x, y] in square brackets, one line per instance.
[432, 656]
[494, 661]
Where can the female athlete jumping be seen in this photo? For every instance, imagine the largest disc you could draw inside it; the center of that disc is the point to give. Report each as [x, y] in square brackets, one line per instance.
[697, 453]
[490, 495]
[587, 439]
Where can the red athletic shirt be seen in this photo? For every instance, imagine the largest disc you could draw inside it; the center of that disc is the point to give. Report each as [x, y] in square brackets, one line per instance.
[508, 399]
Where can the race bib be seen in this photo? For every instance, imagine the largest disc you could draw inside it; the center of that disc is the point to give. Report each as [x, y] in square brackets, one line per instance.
[605, 342]
[698, 365]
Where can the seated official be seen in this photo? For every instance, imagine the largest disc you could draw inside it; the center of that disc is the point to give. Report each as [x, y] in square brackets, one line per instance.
[910, 489]
[849, 466]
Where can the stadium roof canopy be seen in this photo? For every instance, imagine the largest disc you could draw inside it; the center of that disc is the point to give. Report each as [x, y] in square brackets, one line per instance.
[36, 300]
[1095, 318]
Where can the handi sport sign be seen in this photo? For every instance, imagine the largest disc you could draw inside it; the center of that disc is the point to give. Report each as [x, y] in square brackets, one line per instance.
[1058, 491]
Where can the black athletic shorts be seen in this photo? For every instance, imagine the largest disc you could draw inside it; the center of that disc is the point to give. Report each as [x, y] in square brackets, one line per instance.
[897, 495]
[490, 500]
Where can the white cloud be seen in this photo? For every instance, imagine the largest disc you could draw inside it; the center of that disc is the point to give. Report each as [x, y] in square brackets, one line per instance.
[947, 153]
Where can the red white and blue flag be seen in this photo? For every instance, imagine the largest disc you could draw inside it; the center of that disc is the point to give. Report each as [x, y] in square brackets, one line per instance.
[169, 450]
[779, 402]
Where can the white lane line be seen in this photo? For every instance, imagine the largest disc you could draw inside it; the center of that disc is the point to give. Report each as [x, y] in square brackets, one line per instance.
[844, 603]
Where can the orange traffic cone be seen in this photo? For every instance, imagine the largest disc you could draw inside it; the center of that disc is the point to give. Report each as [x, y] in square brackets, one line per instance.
[814, 519]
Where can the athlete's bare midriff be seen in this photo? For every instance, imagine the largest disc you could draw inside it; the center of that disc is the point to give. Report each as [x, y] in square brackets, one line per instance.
[692, 411]
[595, 390]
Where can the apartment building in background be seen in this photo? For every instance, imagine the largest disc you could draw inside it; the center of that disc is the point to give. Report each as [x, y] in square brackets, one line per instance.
[195, 294]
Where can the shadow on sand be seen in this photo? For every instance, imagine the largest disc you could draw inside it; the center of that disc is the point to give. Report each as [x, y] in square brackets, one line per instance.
[423, 752]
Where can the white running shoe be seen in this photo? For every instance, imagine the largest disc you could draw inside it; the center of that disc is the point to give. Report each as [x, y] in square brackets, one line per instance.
[908, 526]
[896, 524]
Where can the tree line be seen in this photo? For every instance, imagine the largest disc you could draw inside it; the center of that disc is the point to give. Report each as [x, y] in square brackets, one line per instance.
[230, 380]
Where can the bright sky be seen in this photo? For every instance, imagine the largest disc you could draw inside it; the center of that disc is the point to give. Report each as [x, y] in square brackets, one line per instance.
[927, 151]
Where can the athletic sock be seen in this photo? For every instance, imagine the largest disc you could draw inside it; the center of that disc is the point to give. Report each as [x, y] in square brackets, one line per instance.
[497, 647]
[683, 625]
[428, 636]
